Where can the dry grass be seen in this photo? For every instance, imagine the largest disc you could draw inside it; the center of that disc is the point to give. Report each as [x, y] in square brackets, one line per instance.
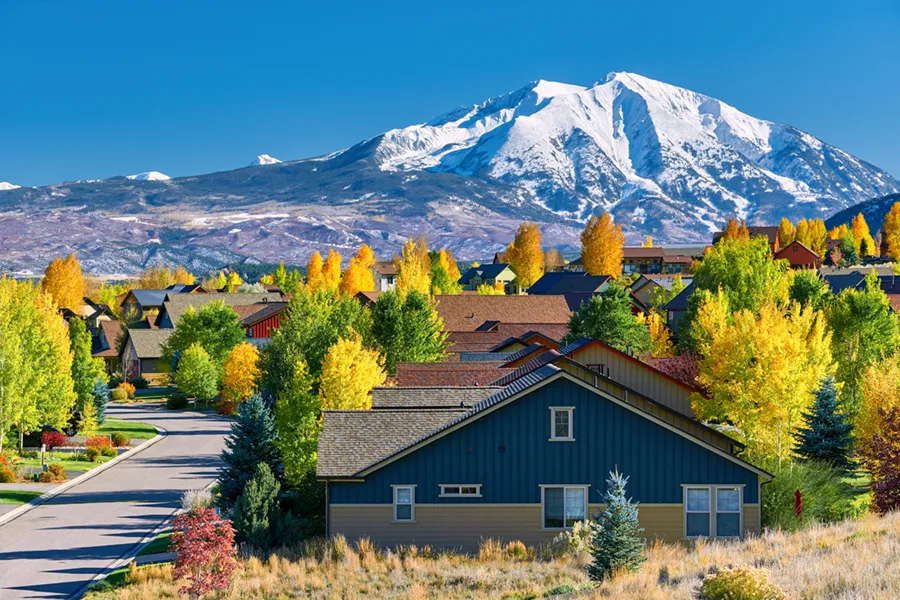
[854, 560]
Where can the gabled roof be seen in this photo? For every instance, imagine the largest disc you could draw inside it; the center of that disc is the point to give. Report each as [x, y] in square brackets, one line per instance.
[104, 343]
[148, 342]
[680, 302]
[484, 341]
[664, 281]
[184, 288]
[149, 298]
[429, 397]
[354, 446]
[385, 267]
[795, 243]
[839, 283]
[176, 304]
[488, 271]
[526, 339]
[565, 282]
[441, 374]
[260, 312]
[477, 357]
[524, 353]
[469, 312]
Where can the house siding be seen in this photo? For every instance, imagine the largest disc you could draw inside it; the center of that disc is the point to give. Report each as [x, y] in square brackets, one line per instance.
[264, 328]
[507, 452]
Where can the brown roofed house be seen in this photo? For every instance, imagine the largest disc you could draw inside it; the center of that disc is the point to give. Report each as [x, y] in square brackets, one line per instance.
[474, 313]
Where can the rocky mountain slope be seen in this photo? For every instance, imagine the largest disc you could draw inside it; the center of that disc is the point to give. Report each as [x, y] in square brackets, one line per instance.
[873, 210]
[664, 160]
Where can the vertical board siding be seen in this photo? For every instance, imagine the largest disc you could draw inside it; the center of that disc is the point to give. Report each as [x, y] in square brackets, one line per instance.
[264, 328]
[508, 452]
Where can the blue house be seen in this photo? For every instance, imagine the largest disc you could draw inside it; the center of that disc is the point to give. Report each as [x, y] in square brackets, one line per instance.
[526, 458]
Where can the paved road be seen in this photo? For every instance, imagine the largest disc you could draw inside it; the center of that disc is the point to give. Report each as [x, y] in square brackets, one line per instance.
[53, 550]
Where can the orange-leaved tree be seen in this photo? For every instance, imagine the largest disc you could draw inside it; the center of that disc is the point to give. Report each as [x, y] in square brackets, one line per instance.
[64, 282]
[358, 276]
[331, 271]
[525, 255]
[601, 246]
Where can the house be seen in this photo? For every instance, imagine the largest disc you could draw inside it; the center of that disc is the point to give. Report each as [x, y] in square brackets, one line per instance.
[260, 320]
[799, 256]
[489, 275]
[495, 334]
[137, 305]
[142, 353]
[770, 233]
[175, 305]
[514, 344]
[569, 282]
[645, 286]
[385, 273]
[677, 306]
[482, 313]
[443, 374]
[104, 343]
[525, 462]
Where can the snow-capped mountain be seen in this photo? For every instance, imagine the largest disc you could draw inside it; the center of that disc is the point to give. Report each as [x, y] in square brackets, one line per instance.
[264, 159]
[665, 161]
[149, 176]
[5, 186]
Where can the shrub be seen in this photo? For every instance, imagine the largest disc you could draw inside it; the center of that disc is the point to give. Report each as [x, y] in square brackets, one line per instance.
[7, 475]
[119, 394]
[29, 454]
[119, 439]
[204, 551]
[45, 478]
[129, 389]
[741, 583]
[257, 509]
[53, 439]
[81, 457]
[882, 454]
[177, 401]
[139, 383]
[226, 407]
[516, 550]
[827, 498]
[114, 381]
[191, 500]
[56, 473]
[93, 453]
[98, 442]
[109, 452]
[575, 540]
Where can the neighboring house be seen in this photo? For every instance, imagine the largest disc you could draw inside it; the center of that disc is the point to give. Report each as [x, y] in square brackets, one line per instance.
[563, 282]
[501, 258]
[770, 233]
[141, 356]
[677, 306]
[657, 259]
[137, 305]
[260, 320]
[799, 256]
[175, 305]
[104, 343]
[514, 344]
[385, 276]
[449, 469]
[489, 275]
[444, 374]
[644, 286]
[468, 312]
[492, 335]
[184, 288]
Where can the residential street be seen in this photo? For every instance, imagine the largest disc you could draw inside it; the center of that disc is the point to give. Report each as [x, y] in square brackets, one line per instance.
[53, 550]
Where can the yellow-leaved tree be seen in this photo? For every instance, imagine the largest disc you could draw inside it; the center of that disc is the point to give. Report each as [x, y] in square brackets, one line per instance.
[881, 393]
[233, 282]
[659, 333]
[64, 282]
[786, 232]
[736, 230]
[601, 246]
[892, 231]
[525, 255]
[184, 276]
[414, 267]
[314, 278]
[647, 243]
[865, 244]
[358, 276]
[240, 373]
[838, 232]
[761, 371]
[349, 372]
[331, 271]
[817, 233]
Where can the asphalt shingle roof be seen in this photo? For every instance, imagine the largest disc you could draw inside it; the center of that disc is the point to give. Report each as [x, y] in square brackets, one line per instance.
[564, 282]
[176, 304]
[680, 302]
[441, 374]
[429, 397]
[148, 342]
[467, 312]
[489, 271]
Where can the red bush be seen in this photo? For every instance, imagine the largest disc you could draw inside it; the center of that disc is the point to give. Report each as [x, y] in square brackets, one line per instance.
[882, 456]
[98, 441]
[205, 552]
[53, 439]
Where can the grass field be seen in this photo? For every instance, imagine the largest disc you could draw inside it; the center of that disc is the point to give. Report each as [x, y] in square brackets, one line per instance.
[17, 496]
[159, 545]
[68, 465]
[140, 431]
[849, 561]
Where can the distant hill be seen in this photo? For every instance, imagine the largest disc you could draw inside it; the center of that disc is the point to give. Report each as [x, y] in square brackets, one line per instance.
[873, 210]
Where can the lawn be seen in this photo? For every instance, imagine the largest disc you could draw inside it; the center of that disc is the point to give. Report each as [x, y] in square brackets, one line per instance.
[134, 430]
[850, 560]
[17, 496]
[159, 545]
[60, 458]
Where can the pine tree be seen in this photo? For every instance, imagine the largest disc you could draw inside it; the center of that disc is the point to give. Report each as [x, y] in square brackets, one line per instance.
[101, 399]
[616, 542]
[252, 441]
[257, 510]
[827, 435]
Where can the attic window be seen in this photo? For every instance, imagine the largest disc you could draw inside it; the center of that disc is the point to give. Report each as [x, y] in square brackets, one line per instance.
[561, 427]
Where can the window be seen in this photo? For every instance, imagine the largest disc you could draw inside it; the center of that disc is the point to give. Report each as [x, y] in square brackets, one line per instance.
[728, 512]
[460, 491]
[563, 506]
[404, 503]
[697, 512]
[561, 424]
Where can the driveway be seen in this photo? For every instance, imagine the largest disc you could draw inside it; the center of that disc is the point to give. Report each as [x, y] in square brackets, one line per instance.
[55, 549]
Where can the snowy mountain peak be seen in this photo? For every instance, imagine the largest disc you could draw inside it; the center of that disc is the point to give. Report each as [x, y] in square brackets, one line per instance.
[5, 186]
[264, 159]
[149, 176]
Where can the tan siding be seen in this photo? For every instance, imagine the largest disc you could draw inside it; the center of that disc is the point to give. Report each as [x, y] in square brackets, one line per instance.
[463, 526]
[751, 519]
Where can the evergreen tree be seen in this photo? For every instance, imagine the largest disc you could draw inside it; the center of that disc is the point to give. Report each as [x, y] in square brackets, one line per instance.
[827, 435]
[616, 542]
[257, 510]
[101, 399]
[252, 441]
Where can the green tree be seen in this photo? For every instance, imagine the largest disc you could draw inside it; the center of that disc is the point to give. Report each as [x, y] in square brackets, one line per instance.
[616, 542]
[257, 510]
[443, 278]
[848, 248]
[607, 317]
[215, 327]
[197, 375]
[314, 322]
[252, 441]
[809, 289]
[101, 399]
[865, 330]
[297, 413]
[827, 436]
[407, 329]
[85, 368]
[660, 296]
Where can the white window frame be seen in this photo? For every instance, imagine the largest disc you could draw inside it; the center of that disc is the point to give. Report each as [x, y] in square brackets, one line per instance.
[567, 409]
[412, 503]
[460, 493]
[714, 508]
[564, 487]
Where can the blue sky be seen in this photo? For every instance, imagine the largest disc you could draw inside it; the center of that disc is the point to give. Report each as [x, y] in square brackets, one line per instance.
[96, 88]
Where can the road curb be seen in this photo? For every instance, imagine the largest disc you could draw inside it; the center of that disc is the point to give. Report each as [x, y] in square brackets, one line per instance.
[161, 433]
